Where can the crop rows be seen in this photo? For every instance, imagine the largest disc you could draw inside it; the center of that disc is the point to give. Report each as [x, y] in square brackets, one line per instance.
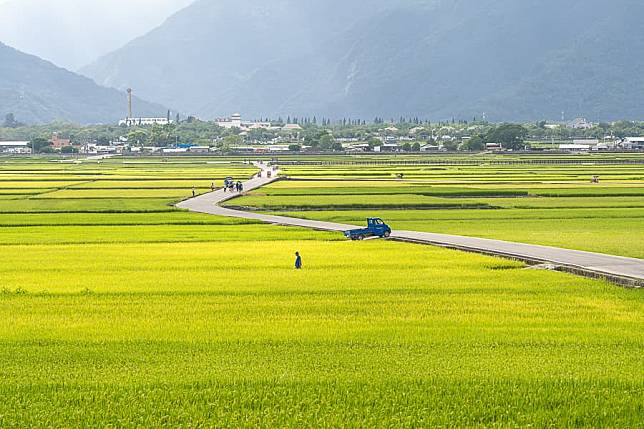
[116, 309]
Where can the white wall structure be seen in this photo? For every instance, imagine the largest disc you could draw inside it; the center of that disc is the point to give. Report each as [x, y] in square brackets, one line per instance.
[133, 122]
[235, 121]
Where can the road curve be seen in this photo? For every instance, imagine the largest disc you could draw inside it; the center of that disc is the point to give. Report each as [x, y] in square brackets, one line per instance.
[624, 271]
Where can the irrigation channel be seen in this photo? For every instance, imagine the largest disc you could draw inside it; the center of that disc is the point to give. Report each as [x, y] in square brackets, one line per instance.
[628, 272]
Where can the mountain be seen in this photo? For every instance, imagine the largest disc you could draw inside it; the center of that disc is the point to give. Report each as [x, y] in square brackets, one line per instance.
[74, 33]
[513, 60]
[37, 91]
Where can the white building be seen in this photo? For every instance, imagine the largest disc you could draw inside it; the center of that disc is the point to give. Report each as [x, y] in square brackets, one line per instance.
[16, 147]
[199, 149]
[94, 149]
[235, 121]
[634, 142]
[292, 127]
[580, 124]
[575, 147]
[133, 122]
[387, 147]
[430, 148]
[174, 150]
[590, 142]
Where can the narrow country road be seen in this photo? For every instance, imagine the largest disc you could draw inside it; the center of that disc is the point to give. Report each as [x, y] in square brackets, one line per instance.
[622, 270]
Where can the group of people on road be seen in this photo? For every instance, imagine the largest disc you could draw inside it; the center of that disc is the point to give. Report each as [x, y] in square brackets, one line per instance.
[229, 186]
[232, 186]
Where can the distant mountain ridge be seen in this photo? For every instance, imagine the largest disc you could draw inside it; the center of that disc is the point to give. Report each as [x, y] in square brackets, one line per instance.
[73, 33]
[512, 60]
[37, 91]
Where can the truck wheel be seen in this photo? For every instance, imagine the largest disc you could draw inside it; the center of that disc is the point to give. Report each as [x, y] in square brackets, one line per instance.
[361, 237]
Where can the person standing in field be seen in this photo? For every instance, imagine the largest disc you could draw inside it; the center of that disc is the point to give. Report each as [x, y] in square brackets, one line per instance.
[212, 187]
[298, 261]
[194, 193]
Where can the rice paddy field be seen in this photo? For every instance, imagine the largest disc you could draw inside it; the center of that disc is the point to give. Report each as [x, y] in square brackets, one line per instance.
[117, 310]
[554, 205]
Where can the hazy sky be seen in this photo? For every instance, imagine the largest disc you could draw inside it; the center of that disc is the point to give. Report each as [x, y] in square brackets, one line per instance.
[73, 33]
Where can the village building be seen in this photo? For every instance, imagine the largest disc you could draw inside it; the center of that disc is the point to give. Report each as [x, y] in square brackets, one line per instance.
[430, 148]
[15, 147]
[235, 121]
[633, 143]
[575, 147]
[58, 143]
[292, 127]
[580, 124]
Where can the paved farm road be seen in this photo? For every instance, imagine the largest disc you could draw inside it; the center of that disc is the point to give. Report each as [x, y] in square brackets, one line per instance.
[628, 271]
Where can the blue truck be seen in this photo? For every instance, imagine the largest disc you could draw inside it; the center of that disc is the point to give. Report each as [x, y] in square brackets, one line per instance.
[376, 227]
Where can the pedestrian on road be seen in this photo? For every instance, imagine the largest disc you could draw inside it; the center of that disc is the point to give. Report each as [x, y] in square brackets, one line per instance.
[241, 187]
[194, 193]
[298, 261]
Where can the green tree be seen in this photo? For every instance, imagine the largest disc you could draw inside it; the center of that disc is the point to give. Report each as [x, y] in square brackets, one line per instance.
[326, 142]
[415, 147]
[162, 135]
[510, 136]
[475, 144]
[450, 146]
[373, 142]
[406, 147]
[228, 142]
[39, 144]
[137, 137]
[295, 148]
[47, 149]
[69, 149]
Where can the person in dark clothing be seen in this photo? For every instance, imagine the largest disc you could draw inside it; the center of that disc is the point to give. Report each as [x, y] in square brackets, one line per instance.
[194, 193]
[298, 261]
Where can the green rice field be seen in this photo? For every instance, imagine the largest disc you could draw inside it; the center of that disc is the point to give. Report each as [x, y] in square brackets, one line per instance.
[549, 205]
[118, 310]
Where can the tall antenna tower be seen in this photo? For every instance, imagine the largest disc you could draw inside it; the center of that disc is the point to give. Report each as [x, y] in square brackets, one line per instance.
[129, 103]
